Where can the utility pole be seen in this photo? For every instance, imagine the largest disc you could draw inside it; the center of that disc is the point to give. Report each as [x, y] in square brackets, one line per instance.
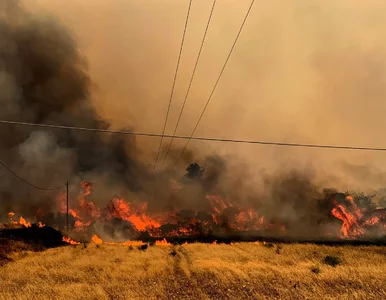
[67, 223]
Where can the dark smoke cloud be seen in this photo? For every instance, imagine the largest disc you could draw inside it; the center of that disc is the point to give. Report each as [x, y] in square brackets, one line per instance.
[44, 79]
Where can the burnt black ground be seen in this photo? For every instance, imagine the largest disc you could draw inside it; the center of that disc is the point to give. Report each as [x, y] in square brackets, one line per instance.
[49, 237]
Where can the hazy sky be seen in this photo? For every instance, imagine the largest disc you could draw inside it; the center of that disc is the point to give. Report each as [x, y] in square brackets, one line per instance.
[309, 71]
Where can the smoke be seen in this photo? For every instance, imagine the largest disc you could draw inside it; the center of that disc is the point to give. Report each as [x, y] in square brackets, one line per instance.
[44, 79]
[301, 72]
[305, 71]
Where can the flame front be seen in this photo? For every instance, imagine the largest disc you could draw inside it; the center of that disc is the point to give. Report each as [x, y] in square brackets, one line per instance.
[21, 222]
[132, 219]
[96, 240]
[223, 211]
[69, 241]
[354, 222]
[162, 243]
[121, 209]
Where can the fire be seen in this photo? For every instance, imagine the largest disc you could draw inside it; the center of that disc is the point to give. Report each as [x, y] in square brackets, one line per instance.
[163, 242]
[87, 187]
[69, 241]
[73, 213]
[119, 208]
[354, 222]
[133, 243]
[350, 221]
[96, 240]
[10, 217]
[218, 203]
[127, 219]
[23, 222]
[85, 213]
[372, 221]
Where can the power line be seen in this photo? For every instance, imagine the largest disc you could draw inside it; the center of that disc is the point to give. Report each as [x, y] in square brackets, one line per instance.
[28, 183]
[207, 139]
[191, 81]
[173, 86]
[215, 86]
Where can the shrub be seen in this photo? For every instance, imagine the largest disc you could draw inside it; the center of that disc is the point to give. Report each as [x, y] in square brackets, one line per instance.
[332, 261]
[315, 269]
[143, 247]
[268, 245]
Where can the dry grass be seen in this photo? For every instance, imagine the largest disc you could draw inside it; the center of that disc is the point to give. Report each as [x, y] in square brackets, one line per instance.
[196, 271]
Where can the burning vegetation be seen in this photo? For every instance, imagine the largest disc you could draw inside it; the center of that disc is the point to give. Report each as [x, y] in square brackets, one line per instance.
[332, 215]
[44, 80]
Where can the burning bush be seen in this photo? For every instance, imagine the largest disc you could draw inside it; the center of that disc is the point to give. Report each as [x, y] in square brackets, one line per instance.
[120, 219]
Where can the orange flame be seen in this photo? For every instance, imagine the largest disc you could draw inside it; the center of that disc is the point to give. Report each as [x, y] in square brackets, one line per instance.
[349, 226]
[372, 221]
[69, 241]
[23, 222]
[96, 240]
[10, 217]
[353, 220]
[222, 211]
[119, 208]
[133, 243]
[162, 243]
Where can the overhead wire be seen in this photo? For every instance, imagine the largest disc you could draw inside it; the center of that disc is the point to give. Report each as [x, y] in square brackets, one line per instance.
[215, 86]
[207, 139]
[29, 183]
[191, 81]
[173, 86]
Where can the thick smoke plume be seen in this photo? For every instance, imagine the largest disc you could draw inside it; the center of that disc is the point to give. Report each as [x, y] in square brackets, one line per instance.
[44, 78]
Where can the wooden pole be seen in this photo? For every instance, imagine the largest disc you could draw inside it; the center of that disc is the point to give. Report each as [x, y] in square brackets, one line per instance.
[67, 222]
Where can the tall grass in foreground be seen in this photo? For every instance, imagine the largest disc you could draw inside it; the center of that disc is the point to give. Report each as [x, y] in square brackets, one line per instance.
[197, 271]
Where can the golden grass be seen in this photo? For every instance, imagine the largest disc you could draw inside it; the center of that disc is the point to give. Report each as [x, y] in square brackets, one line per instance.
[197, 271]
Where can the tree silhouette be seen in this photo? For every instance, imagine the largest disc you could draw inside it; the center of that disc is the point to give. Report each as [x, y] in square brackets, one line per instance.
[195, 171]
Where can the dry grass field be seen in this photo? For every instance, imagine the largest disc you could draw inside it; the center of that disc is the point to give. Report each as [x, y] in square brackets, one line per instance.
[195, 271]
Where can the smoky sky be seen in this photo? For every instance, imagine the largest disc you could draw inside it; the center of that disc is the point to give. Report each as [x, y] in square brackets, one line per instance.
[302, 71]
